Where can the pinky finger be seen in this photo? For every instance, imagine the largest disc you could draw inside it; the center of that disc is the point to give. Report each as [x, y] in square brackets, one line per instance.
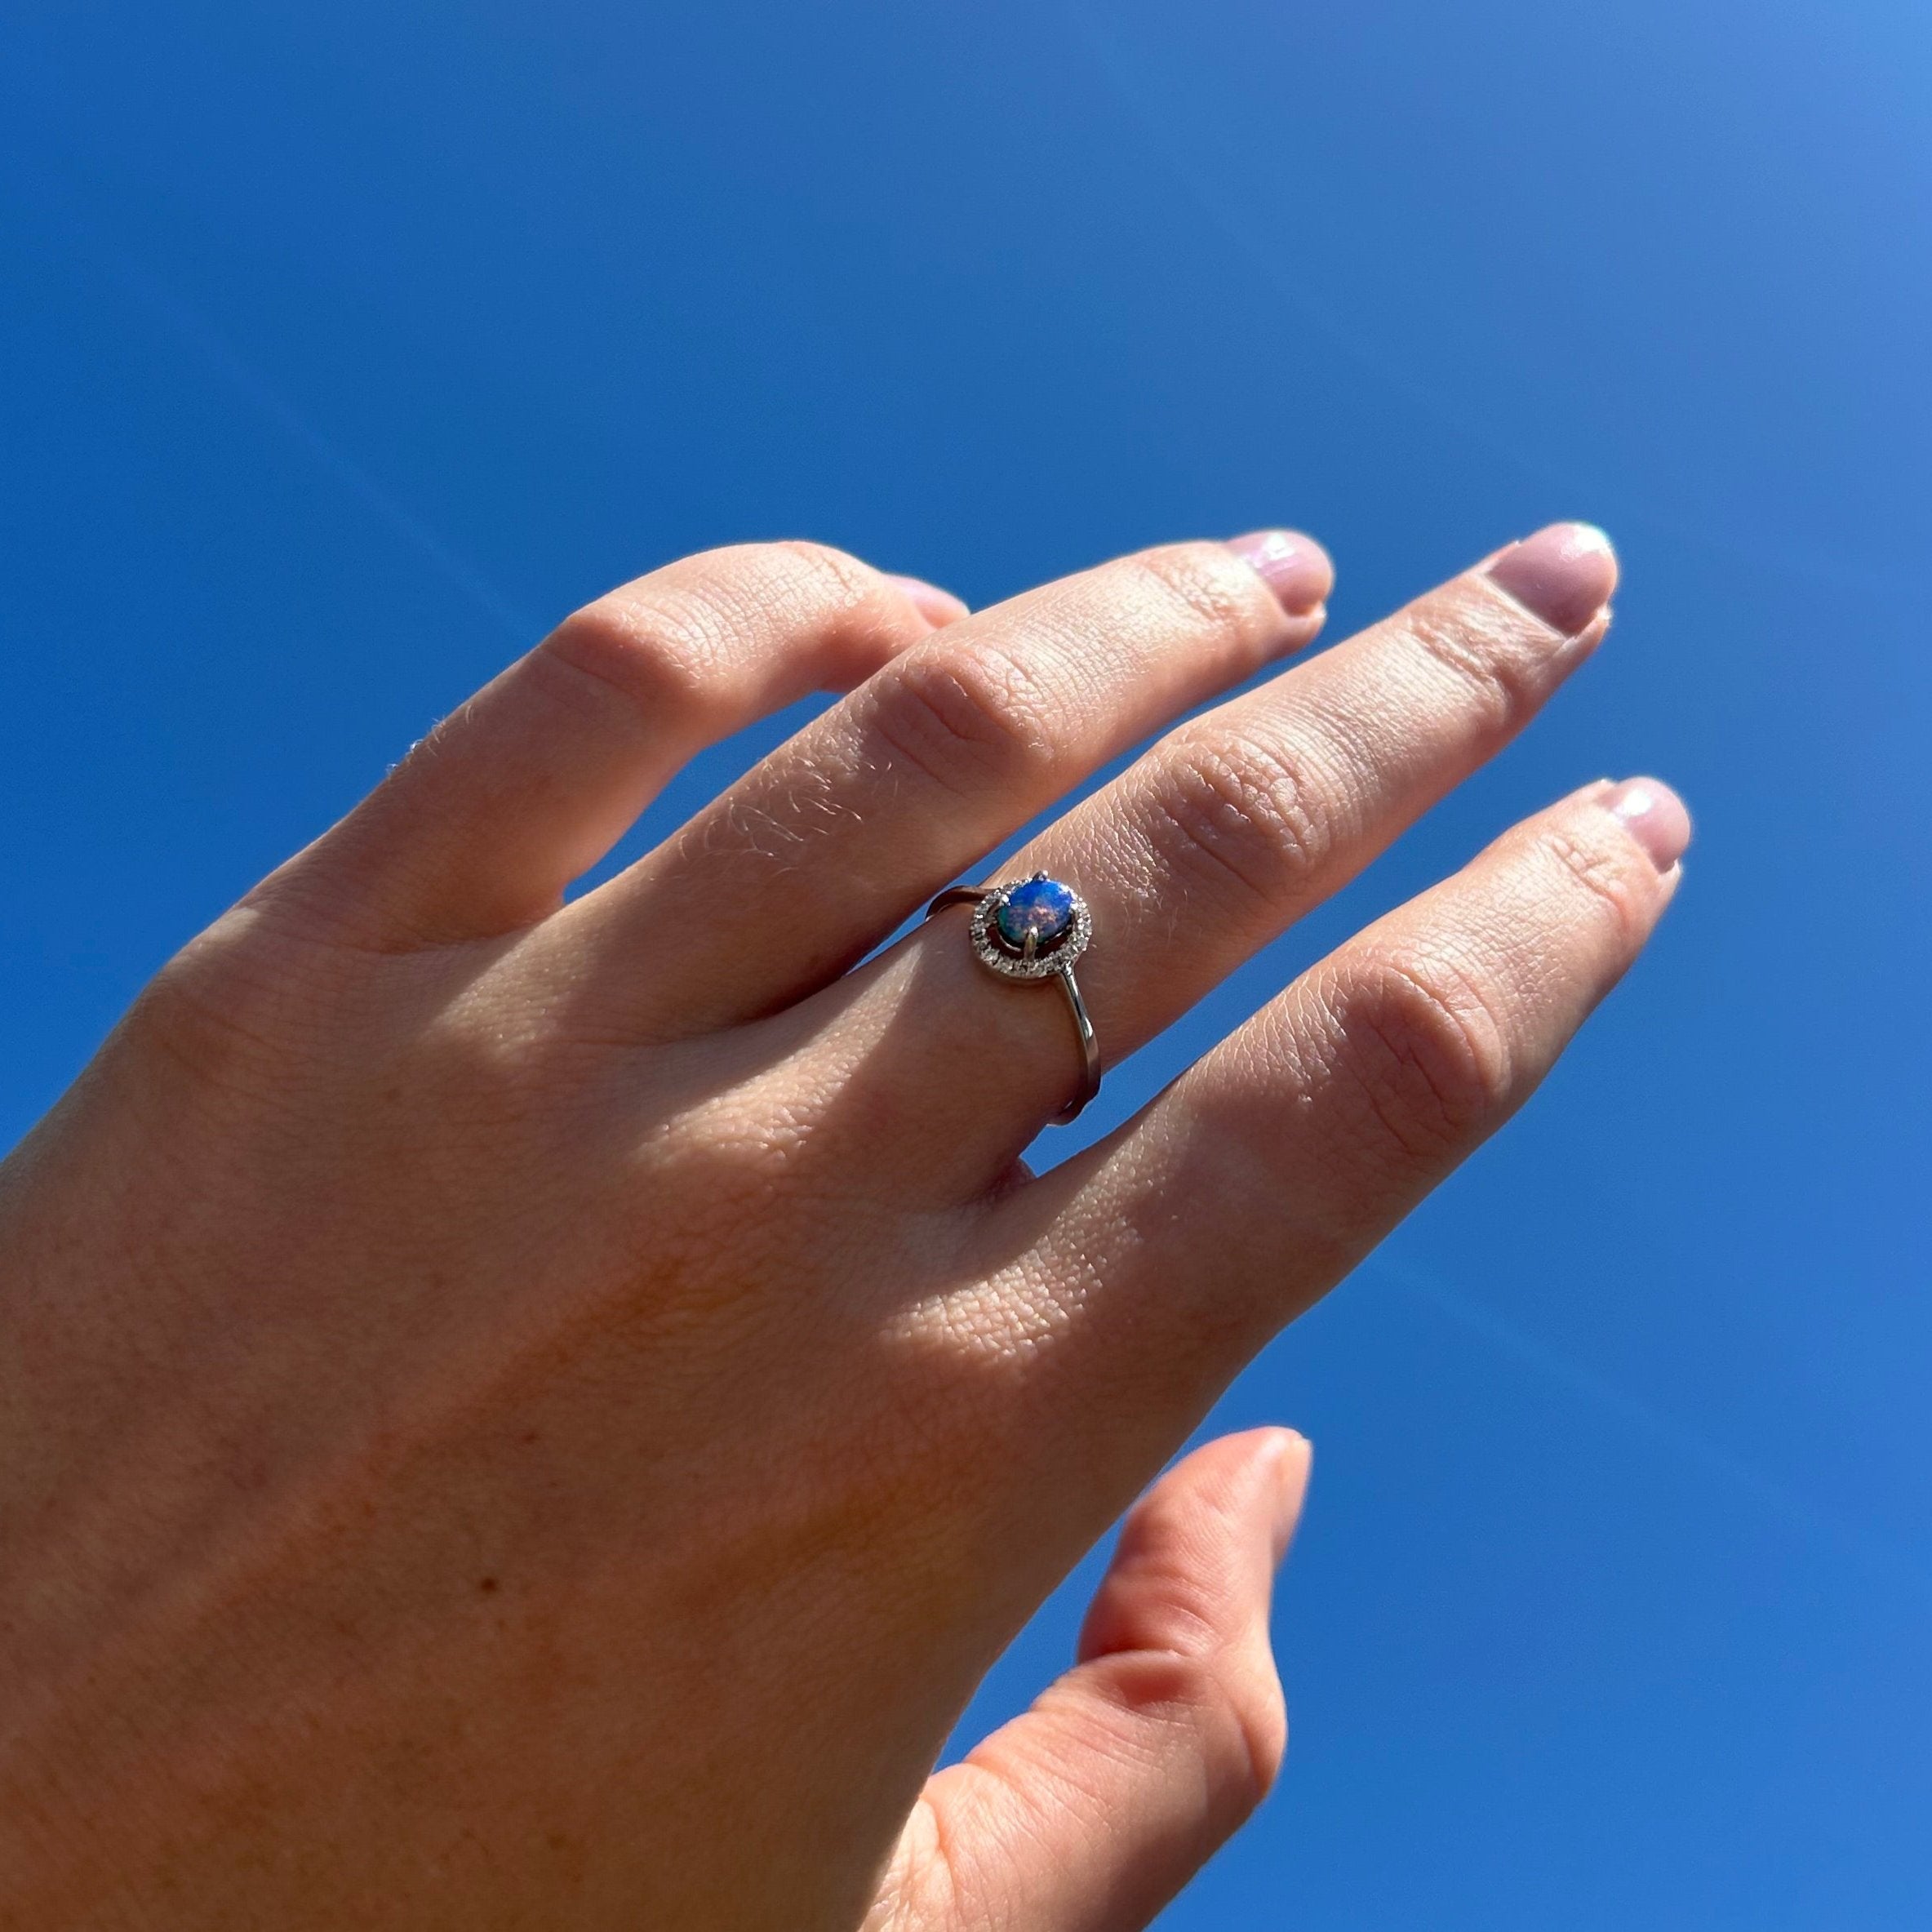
[480, 828]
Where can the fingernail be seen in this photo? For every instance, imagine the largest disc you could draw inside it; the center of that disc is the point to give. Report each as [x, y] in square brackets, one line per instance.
[1292, 1463]
[1295, 567]
[938, 607]
[1564, 574]
[1654, 816]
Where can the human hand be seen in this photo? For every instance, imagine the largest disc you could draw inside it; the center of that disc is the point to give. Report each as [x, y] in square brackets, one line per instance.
[517, 1413]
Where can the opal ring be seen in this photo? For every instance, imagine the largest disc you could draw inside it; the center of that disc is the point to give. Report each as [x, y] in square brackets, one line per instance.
[1035, 928]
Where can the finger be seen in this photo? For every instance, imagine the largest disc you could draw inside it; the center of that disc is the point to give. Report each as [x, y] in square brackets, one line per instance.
[1221, 836]
[1160, 1260]
[1090, 1812]
[818, 853]
[481, 827]
[938, 607]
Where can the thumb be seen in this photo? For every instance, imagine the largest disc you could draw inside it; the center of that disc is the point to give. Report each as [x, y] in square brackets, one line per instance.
[1090, 1812]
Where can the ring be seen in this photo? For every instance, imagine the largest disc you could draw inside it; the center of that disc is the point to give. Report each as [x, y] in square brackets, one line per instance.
[1035, 928]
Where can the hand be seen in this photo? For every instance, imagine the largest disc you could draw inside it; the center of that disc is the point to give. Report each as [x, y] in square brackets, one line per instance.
[530, 1414]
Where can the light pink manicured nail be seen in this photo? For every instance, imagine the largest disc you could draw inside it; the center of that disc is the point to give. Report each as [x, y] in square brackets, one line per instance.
[938, 607]
[1295, 567]
[1292, 1461]
[1564, 574]
[1655, 817]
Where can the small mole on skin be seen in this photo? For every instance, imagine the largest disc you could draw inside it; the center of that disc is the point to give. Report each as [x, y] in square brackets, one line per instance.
[487, 1584]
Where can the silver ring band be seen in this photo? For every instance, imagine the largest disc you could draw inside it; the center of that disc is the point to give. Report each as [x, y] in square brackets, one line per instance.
[1034, 929]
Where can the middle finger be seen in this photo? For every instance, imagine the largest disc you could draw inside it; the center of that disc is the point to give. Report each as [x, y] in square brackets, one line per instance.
[1209, 847]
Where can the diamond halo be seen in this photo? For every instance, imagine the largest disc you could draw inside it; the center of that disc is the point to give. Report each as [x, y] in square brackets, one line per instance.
[994, 953]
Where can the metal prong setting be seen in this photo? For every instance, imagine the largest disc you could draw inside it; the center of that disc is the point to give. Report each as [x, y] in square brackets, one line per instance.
[1032, 964]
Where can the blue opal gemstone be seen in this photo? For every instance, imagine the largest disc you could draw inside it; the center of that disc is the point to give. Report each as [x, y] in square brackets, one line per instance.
[1041, 909]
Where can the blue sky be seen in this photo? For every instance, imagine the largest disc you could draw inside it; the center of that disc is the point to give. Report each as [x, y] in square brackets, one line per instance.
[344, 349]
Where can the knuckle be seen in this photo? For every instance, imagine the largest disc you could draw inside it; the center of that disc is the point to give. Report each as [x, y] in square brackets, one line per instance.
[1505, 667]
[969, 714]
[689, 644]
[1201, 586]
[791, 586]
[665, 653]
[235, 1004]
[819, 576]
[1260, 1716]
[1619, 880]
[1428, 1053]
[1239, 810]
[1236, 1720]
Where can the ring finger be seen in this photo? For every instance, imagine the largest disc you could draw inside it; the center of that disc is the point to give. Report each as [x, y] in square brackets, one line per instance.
[1215, 842]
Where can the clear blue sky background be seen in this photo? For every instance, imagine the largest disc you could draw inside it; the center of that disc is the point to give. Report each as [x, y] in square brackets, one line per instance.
[342, 349]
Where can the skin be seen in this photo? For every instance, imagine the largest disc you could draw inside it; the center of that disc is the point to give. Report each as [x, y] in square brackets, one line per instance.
[522, 1414]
